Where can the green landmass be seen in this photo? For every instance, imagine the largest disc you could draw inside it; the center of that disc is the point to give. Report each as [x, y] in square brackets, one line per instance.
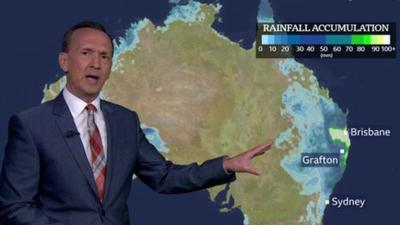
[341, 136]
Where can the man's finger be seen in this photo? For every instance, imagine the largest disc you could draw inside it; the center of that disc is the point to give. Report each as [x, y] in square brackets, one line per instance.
[261, 149]
[253, 171]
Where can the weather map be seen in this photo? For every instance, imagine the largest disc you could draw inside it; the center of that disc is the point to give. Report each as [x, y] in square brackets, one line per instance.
[201, 91]
[209, 97]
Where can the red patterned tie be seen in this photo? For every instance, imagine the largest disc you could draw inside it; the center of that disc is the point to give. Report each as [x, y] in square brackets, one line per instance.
[98, 156]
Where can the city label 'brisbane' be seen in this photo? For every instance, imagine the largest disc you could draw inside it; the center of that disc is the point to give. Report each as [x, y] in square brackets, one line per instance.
[368, 132]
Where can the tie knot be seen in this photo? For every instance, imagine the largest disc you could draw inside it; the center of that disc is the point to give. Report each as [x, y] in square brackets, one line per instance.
[91, 108]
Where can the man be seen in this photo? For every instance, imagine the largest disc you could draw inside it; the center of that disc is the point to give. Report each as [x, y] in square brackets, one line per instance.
[71, 160]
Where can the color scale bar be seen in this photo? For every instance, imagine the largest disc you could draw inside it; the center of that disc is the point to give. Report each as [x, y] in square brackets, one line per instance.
[328, 39]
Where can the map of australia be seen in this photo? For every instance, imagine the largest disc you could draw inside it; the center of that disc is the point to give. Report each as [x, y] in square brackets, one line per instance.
[200, 95]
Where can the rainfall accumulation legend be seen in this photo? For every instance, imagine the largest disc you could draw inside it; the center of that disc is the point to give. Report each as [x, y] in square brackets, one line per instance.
[326, 40]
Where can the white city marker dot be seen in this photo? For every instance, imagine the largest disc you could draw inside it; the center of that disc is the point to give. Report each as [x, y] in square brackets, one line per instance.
[341, 151]
[326, 202]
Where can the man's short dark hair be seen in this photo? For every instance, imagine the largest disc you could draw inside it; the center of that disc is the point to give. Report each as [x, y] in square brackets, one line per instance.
[85, 24]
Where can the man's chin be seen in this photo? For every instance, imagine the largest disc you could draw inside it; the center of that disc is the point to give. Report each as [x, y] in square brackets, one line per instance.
[93, 89]
[91, 93]
[85, 92]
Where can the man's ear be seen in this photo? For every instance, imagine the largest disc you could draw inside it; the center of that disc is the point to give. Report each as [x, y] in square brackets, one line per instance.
[63, 61]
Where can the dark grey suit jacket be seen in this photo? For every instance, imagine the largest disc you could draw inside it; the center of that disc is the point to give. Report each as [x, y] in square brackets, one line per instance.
[46, 177]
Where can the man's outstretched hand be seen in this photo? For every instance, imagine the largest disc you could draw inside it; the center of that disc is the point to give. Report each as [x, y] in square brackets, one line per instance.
[241, 162]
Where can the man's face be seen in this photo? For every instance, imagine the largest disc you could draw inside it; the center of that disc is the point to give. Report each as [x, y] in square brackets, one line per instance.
[87, 62]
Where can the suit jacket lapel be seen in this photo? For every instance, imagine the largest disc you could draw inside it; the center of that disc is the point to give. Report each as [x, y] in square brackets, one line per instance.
[111, 127]
[67, 128]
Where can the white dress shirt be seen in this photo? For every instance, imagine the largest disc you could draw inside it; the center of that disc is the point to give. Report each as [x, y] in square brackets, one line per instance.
[79, 114]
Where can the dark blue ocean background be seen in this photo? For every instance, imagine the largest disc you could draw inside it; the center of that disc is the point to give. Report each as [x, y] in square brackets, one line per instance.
[367, 89]
[30, 39]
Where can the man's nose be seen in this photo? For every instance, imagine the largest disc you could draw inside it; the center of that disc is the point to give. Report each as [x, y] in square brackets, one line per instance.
[95, 63]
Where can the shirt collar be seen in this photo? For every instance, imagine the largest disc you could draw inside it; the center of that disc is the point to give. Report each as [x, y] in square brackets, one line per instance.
[77, 105]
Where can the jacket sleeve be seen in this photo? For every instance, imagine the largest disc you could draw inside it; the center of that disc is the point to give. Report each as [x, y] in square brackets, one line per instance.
[165, 177]
[19, 181]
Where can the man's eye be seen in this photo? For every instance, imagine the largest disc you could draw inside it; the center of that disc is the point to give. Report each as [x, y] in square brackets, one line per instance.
[85, 53]
[105, 57]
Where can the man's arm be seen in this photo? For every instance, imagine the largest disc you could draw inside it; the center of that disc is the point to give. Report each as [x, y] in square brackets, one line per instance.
[165, 177]
[19, 179]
